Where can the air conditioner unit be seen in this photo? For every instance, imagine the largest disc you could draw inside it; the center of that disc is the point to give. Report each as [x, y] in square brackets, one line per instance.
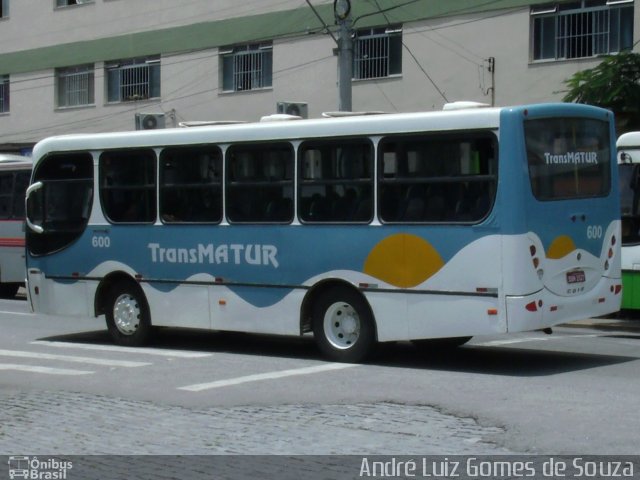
[149, 121]
[299, 109]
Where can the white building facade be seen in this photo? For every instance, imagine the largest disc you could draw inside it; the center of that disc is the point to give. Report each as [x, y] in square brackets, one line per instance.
[70, 66]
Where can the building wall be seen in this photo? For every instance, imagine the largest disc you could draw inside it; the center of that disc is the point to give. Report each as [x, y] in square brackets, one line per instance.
[444, 59]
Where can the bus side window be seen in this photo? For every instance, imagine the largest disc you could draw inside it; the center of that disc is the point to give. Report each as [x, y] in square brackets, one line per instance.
[191, 185]
[336, 181]
[128, 185]
[259, 185]
[6, 195]
[436, 178]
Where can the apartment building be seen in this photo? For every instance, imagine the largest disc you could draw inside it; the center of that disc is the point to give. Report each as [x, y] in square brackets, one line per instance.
[72, 66]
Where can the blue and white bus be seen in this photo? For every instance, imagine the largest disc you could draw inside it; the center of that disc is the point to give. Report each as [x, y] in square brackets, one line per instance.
[363, 229]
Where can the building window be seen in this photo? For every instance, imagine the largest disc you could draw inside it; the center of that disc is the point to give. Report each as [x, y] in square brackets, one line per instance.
[377, 53]
[581, 29]
[75, 86]
[4, 93]
[133, 79]
[66, 3]
[4, 8]
[248, 67]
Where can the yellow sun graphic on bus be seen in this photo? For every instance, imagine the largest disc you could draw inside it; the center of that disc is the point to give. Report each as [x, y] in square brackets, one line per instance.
[403, 260]
[560, 247]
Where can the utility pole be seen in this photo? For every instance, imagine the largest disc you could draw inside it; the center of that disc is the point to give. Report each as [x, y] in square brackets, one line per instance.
[342, 10]
[492, 69]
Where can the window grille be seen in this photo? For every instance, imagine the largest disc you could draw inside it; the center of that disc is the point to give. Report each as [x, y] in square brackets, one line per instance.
[4, 93]
[377, 53]
[75, 86]
[64, 3]
[132, 80]
[247, 67]
[576, 31]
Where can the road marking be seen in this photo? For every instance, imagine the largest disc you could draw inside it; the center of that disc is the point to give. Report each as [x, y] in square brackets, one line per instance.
[267, 376]
[511, 341]
[69, 358]
[46, 370]
[165, 352]
[18, 313]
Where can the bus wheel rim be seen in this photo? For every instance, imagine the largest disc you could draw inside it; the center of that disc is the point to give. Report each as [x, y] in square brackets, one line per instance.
[126, 314]
[341, 325]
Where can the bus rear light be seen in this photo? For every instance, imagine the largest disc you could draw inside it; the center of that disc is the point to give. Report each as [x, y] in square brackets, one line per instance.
[492, 311]
[36, 290]
[532, 306]
[606, 264]
[613, 240]
[536, 262]
[553, 308]
[610, 252]
[533, 250]
[218, 280]
[222, 302]
[617, 289]
[75, 274]
[601, 300]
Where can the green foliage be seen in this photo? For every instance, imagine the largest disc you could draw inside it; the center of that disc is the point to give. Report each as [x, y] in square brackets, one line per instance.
[613, 84]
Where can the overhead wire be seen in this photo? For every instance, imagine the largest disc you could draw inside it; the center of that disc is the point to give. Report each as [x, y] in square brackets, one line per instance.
[291, 36]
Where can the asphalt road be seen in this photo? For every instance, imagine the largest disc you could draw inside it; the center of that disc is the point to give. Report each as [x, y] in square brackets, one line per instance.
[65, 389]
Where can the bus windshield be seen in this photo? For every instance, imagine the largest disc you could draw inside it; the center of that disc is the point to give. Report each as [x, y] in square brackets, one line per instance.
[568, 158]
[628, 174]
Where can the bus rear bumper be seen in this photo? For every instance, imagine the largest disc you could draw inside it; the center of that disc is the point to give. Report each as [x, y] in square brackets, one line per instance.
[545, 309]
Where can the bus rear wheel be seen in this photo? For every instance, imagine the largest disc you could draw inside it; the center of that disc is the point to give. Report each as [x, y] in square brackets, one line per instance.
[127, 314]
[343, 326]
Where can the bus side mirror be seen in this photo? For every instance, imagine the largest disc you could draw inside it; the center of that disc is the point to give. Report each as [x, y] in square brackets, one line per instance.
[32, 226]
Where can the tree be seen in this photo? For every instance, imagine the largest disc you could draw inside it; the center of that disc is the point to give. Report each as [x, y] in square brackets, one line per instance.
[613, 84]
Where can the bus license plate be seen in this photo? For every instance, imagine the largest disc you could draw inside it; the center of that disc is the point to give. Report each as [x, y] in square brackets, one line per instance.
[577, 276]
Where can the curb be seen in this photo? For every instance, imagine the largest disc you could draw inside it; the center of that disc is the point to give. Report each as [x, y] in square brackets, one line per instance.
[606, 324]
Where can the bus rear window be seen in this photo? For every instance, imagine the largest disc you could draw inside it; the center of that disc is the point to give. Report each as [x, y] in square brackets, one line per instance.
[568, 158]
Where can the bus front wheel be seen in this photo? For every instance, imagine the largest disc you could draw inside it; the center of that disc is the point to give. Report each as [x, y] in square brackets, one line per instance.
[343, 326]
[127, 314]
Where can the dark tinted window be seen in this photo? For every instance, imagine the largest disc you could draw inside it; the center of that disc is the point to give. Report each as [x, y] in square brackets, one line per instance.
[568, 158]
[437, 178]
[191, 185]
[260, 183]
[62, 205]
[336, 181]
[127, 186]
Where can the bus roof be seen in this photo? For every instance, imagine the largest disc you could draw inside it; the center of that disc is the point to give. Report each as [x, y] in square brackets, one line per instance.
[630, 139]
[371, 125]
[9, 160]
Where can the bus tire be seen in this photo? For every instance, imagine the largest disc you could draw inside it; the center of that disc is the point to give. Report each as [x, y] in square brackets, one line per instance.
[127, 315]
[343, 326]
